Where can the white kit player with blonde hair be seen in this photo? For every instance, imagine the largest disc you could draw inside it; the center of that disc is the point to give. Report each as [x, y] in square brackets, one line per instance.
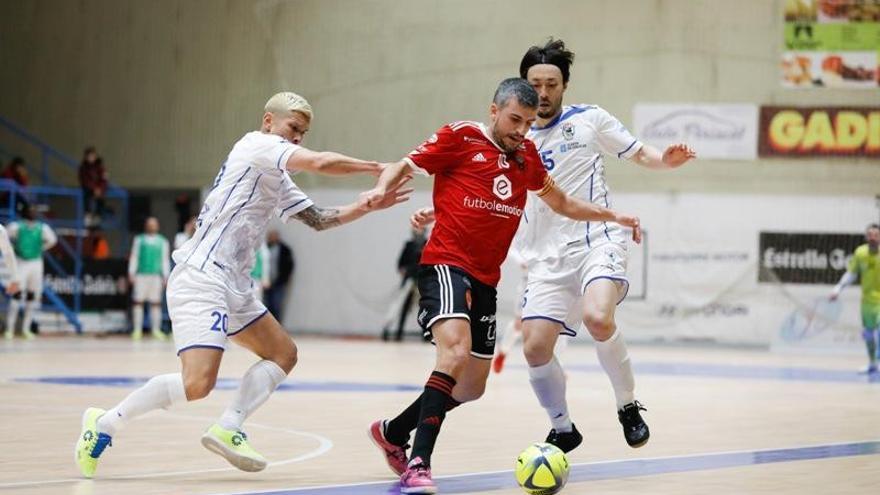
[30, 239]
[577, 271]
[148, 269]
[209, 291]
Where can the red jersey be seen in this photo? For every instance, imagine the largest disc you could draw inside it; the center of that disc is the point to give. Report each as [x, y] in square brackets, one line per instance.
[479, 195]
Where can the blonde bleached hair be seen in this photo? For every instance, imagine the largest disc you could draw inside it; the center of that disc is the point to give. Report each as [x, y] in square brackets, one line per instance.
[286, 102]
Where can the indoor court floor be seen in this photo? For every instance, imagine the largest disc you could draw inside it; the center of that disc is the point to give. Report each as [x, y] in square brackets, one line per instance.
[723, 421]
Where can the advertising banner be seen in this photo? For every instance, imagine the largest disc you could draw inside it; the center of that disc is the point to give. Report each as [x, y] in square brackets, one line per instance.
[104, 284]
[819, 131]
[831, 44]
[720, 131]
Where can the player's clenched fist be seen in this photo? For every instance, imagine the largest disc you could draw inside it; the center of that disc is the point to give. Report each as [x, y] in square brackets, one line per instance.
[422, 218]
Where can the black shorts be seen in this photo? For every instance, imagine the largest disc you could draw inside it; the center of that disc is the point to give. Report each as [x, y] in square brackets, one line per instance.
[449, 292]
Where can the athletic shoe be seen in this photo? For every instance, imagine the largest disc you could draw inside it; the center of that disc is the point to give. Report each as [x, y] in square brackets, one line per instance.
[634, 428]
[234, 447]
[869, 370]
[498, 363]
[90, 444]
[27, 334]
[417, 478]
[395, 455]
[137, 334]
[9, 334]
[160, 335]
[566, 441]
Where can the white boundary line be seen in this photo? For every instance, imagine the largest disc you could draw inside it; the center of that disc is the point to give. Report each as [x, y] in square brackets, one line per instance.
[324, 446]
[581, 465]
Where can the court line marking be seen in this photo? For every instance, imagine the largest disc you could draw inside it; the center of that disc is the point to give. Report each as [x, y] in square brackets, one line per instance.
[604, 470]
[324, 446]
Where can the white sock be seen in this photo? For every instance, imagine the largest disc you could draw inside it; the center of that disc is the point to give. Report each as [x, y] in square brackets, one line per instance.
[155, 318]
[548, 382]
[28, 317]
[257, 385]
[160, 392]
[137, 317]
[12, 315]
[615, 360]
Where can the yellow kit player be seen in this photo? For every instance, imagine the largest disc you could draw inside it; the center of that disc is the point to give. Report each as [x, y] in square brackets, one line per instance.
[865, 266]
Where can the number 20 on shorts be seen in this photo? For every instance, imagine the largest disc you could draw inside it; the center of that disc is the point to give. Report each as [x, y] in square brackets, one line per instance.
[221, 322]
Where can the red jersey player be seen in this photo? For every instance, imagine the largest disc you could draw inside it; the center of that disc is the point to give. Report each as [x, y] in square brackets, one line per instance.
[482, 175]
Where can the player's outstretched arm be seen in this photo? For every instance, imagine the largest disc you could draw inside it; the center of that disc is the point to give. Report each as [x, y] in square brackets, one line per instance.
[848, 278]
[393, 176]
[577, 209]
[674, 156]
[320, 218]
[330, 163]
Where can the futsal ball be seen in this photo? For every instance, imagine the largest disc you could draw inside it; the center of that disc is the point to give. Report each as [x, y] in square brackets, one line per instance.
[542, 469]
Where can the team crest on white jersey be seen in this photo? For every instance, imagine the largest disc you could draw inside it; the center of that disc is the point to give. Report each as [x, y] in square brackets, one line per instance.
[479, 158]
[568, 131]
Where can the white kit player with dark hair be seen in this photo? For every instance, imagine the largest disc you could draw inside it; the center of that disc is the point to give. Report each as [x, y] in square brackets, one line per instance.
[577, 271]
[209, 291]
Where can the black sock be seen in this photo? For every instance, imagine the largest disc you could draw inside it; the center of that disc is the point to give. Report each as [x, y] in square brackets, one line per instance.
[397, 430]
[435, 400]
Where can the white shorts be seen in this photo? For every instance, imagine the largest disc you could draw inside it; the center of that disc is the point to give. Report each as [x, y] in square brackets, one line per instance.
[556, 286]
[147, 288]
[30, 277]
[205, 310]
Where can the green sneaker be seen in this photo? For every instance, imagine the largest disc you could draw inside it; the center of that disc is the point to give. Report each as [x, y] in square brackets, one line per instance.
[137, 334]
[234, 447]
[160, 335]
[90, 444]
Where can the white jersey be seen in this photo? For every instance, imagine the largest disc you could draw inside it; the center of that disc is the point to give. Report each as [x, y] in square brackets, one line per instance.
[571, 147]
[253, 184]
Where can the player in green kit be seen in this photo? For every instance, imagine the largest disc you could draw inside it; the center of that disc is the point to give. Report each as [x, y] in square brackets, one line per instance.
[148, 268]
[260, 273]
[865, 266]
[30, 238]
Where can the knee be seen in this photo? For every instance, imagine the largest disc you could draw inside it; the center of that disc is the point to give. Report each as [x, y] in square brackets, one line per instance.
[455, 357]
[600, 325]
[198, 387]
[537, 352]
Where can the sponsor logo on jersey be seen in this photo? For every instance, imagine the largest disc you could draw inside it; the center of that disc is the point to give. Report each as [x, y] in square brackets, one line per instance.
[568, 131]
[497, 208]
[502, 187]
[479, 158]
[502, 163]
[571, 147]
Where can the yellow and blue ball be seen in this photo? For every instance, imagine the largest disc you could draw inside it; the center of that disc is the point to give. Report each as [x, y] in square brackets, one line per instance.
[542, 469]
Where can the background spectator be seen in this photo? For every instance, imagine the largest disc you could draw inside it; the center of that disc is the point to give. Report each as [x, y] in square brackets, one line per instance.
[281, 266]
[407, 267]
[93, 180]
[16, 172]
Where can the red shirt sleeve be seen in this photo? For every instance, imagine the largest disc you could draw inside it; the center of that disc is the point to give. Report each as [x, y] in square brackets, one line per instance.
[439, 153]
[537, 178]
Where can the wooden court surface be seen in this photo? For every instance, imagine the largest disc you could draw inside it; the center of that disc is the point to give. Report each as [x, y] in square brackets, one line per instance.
[722, 421]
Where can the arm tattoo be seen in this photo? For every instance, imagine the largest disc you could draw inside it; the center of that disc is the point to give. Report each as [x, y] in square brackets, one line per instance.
[319, 218]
